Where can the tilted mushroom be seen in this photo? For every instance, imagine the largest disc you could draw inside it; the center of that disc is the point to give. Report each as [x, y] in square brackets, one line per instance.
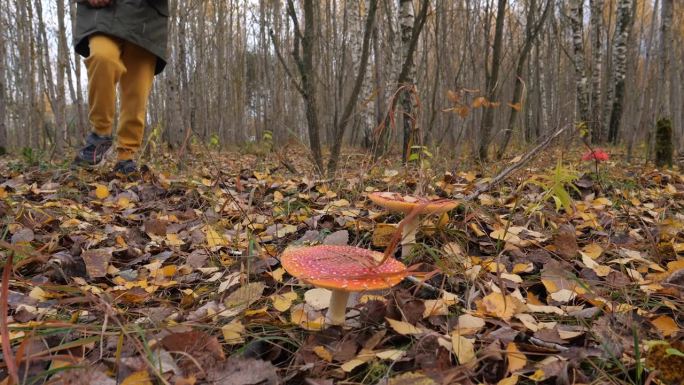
[406, 204]
[342, 269]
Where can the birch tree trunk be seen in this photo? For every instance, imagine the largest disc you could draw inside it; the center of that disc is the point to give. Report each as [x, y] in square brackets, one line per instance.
[576, 23]
[406, 20]
[3, 90]
[595, 106]
[622, 30]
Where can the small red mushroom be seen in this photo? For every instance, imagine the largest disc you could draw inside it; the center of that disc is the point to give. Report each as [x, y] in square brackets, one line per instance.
[342, 269]
[406, 204]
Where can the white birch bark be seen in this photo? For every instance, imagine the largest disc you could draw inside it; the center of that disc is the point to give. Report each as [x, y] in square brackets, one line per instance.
[576, 23]
[595, 106]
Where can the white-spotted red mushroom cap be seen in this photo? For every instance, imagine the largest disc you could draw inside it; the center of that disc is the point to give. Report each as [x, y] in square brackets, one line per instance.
[406, 203]
[342, 267]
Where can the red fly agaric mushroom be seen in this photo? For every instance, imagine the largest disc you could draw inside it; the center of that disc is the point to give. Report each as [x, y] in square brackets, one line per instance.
[342, 269]
[406, 204]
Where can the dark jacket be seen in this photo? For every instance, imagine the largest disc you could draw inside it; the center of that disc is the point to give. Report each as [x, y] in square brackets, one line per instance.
[141, 22]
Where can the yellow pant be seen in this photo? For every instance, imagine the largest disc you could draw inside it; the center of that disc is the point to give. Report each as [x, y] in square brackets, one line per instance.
[111, 61]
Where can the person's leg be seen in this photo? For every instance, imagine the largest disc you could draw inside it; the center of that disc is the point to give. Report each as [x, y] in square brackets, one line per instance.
[135, 84]
[104, 67]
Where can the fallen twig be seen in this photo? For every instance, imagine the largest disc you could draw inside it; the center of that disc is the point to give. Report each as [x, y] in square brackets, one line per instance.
[523, 161]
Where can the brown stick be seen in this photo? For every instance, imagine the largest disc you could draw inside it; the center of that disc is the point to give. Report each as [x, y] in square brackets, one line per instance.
[525, 159]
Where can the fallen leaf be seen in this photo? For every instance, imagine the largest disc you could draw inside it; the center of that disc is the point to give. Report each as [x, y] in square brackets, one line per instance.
[101, 191]
[512, 380]
[96, 261]
[463, 348]
[469, 324]
[516, 360]
[232, 332]
[282, 302]
[138, 378]
[498, 305]
[665, 325]
[403, 328]
[323, 353]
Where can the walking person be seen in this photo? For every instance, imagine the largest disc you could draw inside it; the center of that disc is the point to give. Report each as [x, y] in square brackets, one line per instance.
[124, 43]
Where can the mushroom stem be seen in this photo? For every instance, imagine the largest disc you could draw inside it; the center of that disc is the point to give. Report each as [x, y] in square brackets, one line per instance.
[338, 307]
[408, 236]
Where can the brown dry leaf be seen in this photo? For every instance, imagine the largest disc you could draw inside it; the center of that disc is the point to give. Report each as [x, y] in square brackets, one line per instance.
[97, 260]
[240, 371]
[411, 378]
[665, 325]
[469, 324]
[516, 360]
[498, 305]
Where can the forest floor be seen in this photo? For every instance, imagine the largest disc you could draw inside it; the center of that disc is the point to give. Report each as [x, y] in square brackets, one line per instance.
[559, 275]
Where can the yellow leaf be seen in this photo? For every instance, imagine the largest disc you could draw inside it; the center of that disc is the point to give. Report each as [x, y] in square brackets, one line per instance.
[278, 197]
[232, 332]
[392, 354]
[282, 302]
[351, 365]
[463, 348]
[277, 274]
[214, 239]
[665, 325]
[600, 270]
[403, 328]
[382, 234]
[512, 380]
[592, 250]
[497, 305]
[306, 319]
[173, 240]
[323, 353]
[101, 191]
[138, 378]
[538, 375]
[39, 294]
[516, 360]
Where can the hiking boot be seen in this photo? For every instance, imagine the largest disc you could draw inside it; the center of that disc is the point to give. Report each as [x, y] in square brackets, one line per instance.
[95, 150]
[126, 167]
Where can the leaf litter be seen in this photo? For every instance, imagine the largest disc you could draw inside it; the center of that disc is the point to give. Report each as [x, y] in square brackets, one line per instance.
[176, 279]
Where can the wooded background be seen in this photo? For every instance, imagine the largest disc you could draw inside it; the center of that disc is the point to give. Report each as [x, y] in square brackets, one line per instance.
[457, 75]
